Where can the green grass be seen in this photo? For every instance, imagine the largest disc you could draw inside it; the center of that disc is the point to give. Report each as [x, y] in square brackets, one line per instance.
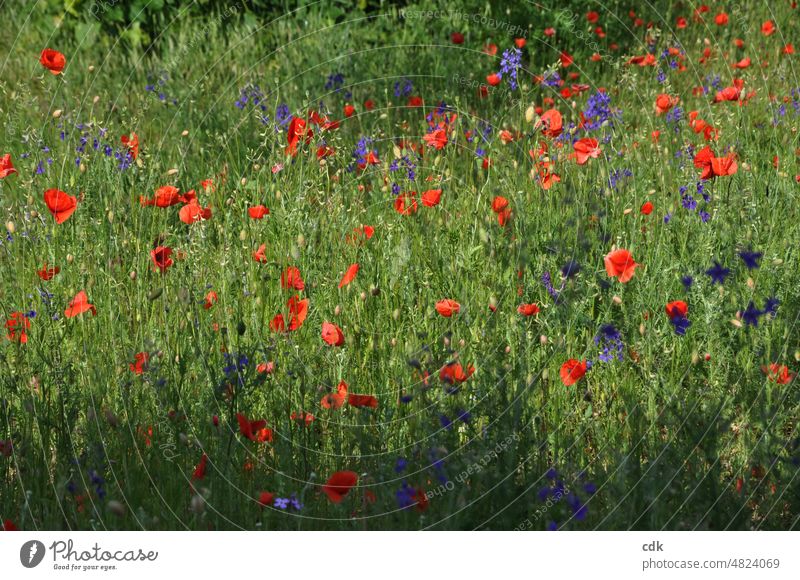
[663, 435]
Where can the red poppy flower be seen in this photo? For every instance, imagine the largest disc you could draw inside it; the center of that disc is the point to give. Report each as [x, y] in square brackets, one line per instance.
[332, 334]
[647, 60]
[728, 94]
[361, 401]
[265, 368]
[132, 143]
[566, 59]
[592, 16]
[60, 204]
[349, 276]
[298, 310]
[254, 430]
[302, 418]
[360, 232]
[193, 212]
[572, 371]
[447, 307]
[665, 102]
[165, 196]
[528, 309]
[678, 308]
[349, 110]
[53, 60]
[48, 273]
[161, 258]
[619, 264]
[260, 254]
[453, 373]
[297, 131]
[200, 470]
[211, 299]
[9, 526]
[721, 19]
[768, 28]
[6, 167]
[406, 203]
[291, 279]
[493, 79]
[258, 212]
[431, 198]
[499, 203]
[457, 38]
[415, 101]
[139, 364]
[778, 373]
[552, 123]
[265, 498]
[646, 209]
[742, 64]
[585, 149]
[339, 485]
[337, 399]
[436, 139]
[325, 151]
[17, 324]
[78, 305]
[713, 166]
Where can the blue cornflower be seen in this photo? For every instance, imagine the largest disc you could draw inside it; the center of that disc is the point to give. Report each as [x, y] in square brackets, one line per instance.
[570, 269]
[400, 465]
[718, 273]
[509, 65]
[751, 314]
[681, 324]
[610, 341]
[771, 306]
[405, 496]
[687, 282]
[750, 259]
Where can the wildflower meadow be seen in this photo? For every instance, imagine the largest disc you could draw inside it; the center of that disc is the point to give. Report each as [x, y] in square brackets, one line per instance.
[399, 266]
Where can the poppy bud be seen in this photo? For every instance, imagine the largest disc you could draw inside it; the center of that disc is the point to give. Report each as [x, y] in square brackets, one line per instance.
[243, 235]
[616, 300]
[396, 313]
[70, 258]
[57, 113]
[132, 275]
[363, 296]
[543, 339]
[338, 310]
[394, 342]
[375, 291]
[184, 133]
[508, 349]
[116, 508]
[10, 227]
[197, 504]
